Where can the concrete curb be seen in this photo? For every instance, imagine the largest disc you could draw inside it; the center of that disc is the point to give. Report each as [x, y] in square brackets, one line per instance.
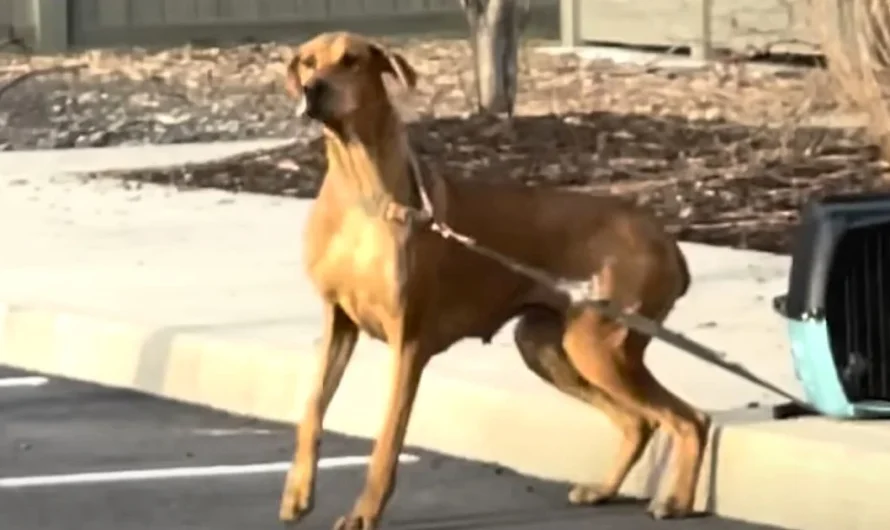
[809, 473]
[78, 160]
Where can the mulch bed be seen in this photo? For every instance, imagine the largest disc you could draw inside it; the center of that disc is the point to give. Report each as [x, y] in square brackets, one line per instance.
[716, 183]
[726, 155]
[190, 93]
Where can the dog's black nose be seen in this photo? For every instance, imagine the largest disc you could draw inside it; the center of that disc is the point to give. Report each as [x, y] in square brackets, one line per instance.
[314, 94]
[314, 91]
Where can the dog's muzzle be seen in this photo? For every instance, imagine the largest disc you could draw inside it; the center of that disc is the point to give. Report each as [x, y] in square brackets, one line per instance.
[314, 101]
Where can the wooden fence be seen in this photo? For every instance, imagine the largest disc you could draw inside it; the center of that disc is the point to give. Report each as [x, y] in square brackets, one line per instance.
[58, 25]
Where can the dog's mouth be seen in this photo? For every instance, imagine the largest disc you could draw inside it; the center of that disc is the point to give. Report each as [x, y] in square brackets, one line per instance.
[306, 109]
[303, 113]
[314, 109]
[301, 108]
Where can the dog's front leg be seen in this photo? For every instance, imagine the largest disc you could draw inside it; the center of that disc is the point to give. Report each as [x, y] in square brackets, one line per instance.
[409, 363]
[338, 342]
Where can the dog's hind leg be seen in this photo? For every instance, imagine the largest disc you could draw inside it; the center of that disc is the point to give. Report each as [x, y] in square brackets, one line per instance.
[338, 342]
[538, 335]
[611, 359]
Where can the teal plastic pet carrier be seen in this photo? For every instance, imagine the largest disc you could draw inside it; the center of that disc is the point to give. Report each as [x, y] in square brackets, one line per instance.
[837, 306]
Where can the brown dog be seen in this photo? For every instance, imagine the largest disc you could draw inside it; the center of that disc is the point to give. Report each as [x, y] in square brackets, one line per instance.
[379, 271]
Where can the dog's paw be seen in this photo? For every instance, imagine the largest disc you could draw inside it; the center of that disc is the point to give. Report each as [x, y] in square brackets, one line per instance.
[588, 494]
[355, 522]
[669, 508]
[294, 506]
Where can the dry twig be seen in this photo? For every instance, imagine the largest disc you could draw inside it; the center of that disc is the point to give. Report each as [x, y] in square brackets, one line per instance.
[41, 71]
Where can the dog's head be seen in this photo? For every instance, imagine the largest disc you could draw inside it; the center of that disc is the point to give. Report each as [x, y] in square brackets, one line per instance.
[335, 76]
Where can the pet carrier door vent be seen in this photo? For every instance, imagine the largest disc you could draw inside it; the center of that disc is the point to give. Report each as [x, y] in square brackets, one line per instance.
[838, 305]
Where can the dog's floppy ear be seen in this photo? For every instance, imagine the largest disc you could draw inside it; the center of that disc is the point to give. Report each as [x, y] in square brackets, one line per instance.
[394, 64]
[292, 82]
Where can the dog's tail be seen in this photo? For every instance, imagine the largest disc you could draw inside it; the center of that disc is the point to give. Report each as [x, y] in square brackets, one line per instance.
[604, 284]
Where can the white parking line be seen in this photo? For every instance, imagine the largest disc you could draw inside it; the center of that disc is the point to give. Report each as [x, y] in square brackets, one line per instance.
[182, 472]
[10, 382]
[230, 432]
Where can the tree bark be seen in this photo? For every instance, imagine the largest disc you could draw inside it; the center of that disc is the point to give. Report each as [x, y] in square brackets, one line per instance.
[878, 13]
[495, 27]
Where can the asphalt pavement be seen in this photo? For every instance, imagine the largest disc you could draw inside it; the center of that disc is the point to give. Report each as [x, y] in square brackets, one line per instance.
[74, 455]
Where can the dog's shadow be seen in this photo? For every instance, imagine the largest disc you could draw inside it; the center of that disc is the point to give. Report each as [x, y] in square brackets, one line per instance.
[526, 518]
[619, 509]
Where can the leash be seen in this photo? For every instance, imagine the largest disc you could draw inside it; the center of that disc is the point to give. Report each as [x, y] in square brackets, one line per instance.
[579, 292]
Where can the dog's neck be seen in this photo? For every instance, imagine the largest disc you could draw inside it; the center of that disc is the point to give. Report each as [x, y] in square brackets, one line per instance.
[372, 160]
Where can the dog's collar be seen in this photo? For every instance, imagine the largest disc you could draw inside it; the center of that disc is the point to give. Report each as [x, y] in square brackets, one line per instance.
[402, 214]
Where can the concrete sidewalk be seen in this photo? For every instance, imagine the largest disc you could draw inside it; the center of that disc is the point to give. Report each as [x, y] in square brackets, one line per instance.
[201, 296]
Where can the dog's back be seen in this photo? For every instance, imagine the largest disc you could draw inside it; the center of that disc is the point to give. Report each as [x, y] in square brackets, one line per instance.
[567, 233]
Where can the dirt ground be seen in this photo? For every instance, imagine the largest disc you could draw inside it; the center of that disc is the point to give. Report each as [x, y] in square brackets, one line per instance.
[726, 155]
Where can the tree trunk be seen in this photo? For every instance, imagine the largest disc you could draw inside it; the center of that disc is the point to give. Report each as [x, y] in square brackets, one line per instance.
[878, 13]
[495, 27]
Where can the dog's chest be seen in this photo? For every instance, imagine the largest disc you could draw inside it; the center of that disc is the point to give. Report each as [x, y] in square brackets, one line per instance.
[362, 267]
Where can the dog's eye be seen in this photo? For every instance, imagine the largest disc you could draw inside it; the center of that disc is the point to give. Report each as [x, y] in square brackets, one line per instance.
[348, 60]
[308, 62]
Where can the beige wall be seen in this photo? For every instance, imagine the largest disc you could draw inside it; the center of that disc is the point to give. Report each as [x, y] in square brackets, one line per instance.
[16, 14]
[732, 24]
